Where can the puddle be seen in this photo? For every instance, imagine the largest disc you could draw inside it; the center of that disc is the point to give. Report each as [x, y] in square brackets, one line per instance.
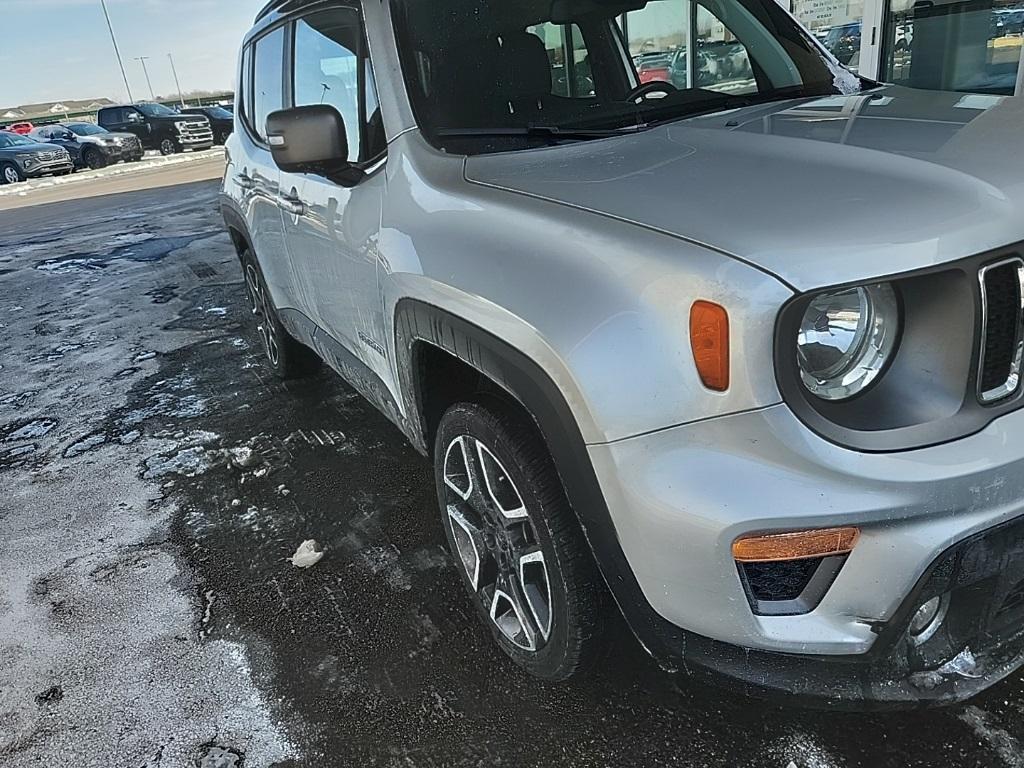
[142, 251]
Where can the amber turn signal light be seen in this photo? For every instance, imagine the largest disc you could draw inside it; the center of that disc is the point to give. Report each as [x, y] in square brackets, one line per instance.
[709, 338]
[800, 545]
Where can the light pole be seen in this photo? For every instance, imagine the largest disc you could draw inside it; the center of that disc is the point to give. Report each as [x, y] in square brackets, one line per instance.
[117, 51]
[145, 71]
[181, 97]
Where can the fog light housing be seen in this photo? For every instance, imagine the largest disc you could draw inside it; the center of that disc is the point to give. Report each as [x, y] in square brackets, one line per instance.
[928, 618]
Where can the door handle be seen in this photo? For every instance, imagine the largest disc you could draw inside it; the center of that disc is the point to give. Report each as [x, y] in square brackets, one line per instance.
[245, 181]
[292, 205]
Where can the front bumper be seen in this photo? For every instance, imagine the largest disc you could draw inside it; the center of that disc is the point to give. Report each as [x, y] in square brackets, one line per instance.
[47, 168]
[679, 498]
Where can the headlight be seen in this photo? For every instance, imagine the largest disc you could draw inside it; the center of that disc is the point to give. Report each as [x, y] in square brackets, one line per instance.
[846, 339]
[26, 159]
[181, 126]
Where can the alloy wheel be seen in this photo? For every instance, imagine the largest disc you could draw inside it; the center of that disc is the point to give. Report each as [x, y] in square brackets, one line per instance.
[11, 175]
[167, 147]
[260, 307]
[497, 544]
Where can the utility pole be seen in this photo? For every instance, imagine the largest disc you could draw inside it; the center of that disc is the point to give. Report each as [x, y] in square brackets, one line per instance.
[145, 71]
[117, 51]
[181, 97]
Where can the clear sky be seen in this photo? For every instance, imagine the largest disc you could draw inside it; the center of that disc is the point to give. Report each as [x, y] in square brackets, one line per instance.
[60, 49]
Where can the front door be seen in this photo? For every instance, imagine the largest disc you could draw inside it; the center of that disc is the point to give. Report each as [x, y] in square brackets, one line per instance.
[332, 231]
[253, 172]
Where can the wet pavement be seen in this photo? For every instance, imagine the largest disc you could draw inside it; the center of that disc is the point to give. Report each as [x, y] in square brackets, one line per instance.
[154, 480]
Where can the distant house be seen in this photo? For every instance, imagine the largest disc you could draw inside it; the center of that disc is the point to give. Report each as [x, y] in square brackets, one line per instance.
[51, 109]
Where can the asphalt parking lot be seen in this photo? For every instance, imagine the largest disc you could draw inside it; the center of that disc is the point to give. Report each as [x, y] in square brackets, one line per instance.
[154, 479]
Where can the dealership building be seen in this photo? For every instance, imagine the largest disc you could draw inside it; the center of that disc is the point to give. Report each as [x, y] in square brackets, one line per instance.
[974, 47]
[935, 44]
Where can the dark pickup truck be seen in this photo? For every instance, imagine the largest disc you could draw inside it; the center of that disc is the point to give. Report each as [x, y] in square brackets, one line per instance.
[158, 127]
[221, 121]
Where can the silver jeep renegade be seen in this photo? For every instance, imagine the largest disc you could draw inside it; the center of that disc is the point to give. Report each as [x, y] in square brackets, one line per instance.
[734, 346]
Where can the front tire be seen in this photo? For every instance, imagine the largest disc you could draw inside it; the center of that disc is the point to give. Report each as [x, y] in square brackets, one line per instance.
[288, 358]
[11, 174]
[516, 541]
[169, 147]
[94, 160]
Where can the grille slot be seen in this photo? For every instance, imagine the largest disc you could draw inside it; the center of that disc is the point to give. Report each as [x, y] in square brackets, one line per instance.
[1002, 343]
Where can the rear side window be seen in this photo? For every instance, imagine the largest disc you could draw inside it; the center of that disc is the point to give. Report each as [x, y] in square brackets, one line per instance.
[268, 80]
[332, 66]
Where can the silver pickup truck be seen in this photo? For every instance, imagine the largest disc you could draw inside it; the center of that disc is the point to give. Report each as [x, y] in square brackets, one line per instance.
[735, 349]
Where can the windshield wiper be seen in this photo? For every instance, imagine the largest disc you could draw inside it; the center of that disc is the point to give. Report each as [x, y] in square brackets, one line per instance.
[549, 132]
[725, 102]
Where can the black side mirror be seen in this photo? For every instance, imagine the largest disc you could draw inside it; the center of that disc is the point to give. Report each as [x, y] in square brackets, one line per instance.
[312, 140]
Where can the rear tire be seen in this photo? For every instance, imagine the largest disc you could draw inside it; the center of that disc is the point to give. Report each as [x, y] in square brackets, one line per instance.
[288, 358]
[10, 174]
[515, 540]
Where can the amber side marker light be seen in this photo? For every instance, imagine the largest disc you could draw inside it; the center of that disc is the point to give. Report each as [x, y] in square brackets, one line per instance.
[800, 545]
[709, 338]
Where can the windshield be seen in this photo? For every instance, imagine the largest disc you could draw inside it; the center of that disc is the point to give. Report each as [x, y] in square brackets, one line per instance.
[14, 140]
[219, 113]
[156, 110]
[486, 68]
[86, 129]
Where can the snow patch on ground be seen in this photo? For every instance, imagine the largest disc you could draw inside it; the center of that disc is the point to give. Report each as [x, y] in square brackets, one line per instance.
[123, 169]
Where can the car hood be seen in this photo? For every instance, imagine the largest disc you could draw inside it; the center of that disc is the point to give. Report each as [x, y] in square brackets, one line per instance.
[817, 192]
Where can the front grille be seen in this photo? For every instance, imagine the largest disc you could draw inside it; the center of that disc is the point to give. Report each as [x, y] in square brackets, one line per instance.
[50, 157]
[1002, 343]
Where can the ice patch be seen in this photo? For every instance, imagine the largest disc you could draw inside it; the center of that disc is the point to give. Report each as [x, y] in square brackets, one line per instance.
[84, 445]
[31, 431]
[190, 462]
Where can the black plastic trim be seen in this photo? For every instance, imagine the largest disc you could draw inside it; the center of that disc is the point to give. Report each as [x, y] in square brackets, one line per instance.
[815, 589]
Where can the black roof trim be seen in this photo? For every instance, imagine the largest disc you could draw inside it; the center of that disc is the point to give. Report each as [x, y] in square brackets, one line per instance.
[278, 5]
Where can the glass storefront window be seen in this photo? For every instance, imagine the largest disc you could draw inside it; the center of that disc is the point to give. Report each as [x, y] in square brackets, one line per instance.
[973, 46]
[658, 40]
[837, 23]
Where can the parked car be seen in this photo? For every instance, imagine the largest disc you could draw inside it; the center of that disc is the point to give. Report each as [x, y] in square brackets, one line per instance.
[158, 127]
[844, 42]
[22, 129]
[91, 146]
[747, 369]
[709, 70]
[653, 67]
[221, 121]
[24, 158]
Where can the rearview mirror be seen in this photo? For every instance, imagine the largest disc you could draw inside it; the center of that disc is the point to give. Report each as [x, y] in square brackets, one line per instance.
[312, 140]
